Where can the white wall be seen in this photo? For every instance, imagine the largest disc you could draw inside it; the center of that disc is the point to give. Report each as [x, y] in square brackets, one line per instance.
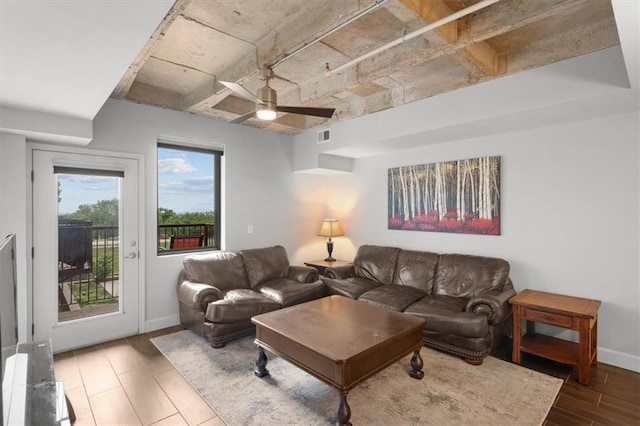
[13, 211]
[569, 203]
[257, 181]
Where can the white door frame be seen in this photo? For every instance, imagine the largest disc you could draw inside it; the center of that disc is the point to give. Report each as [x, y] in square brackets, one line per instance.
[33, 146]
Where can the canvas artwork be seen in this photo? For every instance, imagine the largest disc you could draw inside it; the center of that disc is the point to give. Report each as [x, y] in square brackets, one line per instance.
[454, 196]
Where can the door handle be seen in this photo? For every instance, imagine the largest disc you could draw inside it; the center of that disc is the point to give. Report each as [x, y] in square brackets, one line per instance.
[131, 255]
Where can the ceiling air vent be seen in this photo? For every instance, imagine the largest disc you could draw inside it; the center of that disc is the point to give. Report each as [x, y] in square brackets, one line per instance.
[324, 136]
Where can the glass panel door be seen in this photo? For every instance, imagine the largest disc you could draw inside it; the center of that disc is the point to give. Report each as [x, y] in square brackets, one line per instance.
[86, 271]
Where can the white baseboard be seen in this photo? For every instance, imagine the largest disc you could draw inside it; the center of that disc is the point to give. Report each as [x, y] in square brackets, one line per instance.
[619, 359]
[159, 323]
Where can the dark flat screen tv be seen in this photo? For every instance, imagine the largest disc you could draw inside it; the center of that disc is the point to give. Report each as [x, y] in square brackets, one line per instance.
[8, 304]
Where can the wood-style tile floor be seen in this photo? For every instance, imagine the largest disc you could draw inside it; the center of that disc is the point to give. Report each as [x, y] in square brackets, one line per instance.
[129, 382]
[612, 397]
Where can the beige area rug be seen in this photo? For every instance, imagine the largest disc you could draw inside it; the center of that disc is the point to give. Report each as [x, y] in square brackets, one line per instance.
[452, 392]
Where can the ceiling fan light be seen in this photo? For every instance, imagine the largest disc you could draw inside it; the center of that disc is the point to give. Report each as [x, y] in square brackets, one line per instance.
[266, 114]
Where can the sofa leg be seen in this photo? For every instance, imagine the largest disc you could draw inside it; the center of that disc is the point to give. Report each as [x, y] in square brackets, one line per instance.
[218, 345]
[473, 361]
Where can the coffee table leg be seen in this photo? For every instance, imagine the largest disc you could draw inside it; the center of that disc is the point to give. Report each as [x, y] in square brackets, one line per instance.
[416, 366]
[261, 363]
[344, 411]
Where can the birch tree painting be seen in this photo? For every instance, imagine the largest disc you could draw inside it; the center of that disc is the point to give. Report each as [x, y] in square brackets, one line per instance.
[454, 196]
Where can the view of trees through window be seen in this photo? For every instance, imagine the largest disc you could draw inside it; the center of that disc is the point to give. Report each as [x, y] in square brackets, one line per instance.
[188, 198]
[100, 213]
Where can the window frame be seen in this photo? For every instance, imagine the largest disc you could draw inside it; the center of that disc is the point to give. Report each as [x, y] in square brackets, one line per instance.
[217, 154]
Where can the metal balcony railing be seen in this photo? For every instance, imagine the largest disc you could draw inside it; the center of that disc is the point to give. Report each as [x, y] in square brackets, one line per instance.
[88, 269]
[88, 264]
[165, 232]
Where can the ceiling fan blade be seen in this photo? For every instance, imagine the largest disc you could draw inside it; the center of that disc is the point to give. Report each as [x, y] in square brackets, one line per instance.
[243, 118]
[316, 112]
[240, 91]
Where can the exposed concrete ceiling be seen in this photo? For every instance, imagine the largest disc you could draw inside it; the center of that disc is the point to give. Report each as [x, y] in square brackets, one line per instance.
[200, 43]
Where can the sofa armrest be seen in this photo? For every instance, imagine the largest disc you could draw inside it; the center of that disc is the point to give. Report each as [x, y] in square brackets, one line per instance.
[198, 295]
[494, 304]
[303, 274]
[340, 272]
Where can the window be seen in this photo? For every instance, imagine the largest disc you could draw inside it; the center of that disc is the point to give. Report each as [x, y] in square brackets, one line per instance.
[188, 198]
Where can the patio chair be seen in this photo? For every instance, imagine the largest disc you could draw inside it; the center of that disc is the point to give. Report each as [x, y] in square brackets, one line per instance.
[186, 241]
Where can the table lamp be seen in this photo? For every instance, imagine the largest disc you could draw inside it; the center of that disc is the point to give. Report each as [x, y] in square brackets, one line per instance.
[330, 228]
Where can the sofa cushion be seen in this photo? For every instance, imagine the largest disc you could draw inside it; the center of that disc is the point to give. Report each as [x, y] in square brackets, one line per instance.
[265, 264]
[223, 270]
[446, 315]
[288, 292]
[376, 263]
[238, 305]
[466, 276]
[416, 269]
[393, 297]
[349, 287]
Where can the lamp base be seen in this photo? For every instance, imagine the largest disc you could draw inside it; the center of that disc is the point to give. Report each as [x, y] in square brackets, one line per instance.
[329, 251]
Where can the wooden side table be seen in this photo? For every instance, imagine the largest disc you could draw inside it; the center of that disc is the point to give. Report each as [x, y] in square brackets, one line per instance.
[573, 313]
[322, 265]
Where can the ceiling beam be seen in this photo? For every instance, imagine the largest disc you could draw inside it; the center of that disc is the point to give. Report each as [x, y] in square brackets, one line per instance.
[296, 121]
[207, 94]
[504, 18]
[486, 24]
[152, 95]
[434, 10]
[235, 105]
[489, 60]
[124, 85]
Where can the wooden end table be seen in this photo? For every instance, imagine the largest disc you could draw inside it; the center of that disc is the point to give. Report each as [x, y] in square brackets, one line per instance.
[568, 312]
[322, 265]
[339, 341]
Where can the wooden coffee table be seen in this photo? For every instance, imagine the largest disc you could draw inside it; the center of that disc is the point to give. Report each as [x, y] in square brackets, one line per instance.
[339, 341]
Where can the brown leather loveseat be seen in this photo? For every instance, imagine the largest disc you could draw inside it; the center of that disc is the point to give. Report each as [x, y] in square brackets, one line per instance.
[464, 299]
[219, 292]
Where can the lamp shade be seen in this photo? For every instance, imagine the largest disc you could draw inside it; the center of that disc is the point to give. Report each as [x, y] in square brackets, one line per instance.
[330, 228]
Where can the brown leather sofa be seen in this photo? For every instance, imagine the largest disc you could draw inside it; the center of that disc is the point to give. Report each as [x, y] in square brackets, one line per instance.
[464, 299]
[219, 292]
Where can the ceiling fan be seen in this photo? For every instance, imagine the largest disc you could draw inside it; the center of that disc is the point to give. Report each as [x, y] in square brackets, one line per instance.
[267, 102]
